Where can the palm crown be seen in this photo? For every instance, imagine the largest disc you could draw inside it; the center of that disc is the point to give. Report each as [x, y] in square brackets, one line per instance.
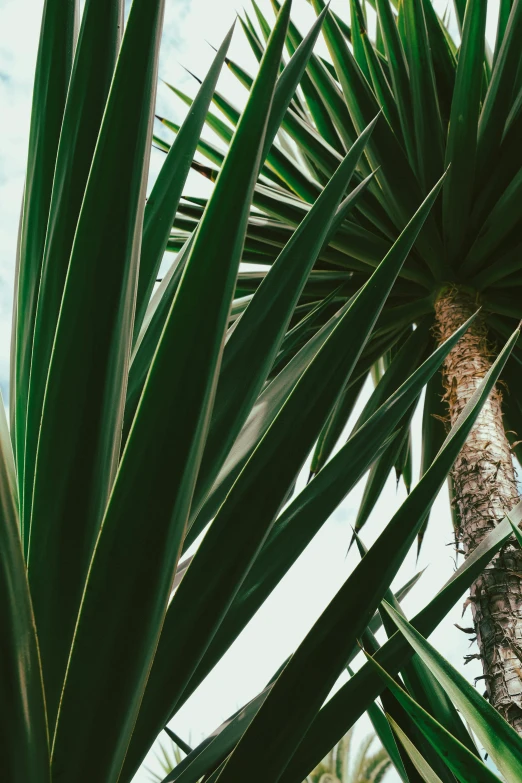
[376, 192]
[416, 76]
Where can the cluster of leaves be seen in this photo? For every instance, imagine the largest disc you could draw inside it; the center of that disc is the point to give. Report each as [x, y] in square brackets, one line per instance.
[341, 765]
[141, 418]
[167, 758]
[444, 106]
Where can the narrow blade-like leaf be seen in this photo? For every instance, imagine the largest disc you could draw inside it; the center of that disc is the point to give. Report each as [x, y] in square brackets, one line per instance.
[398, 73]
[497, 102]
[96, 54]
[163, 201]
[462, 134]
[426, 112]
[24, 742]
[53, 70]
[420, 763]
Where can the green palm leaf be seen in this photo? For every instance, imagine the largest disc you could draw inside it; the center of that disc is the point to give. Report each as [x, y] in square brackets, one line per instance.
[98, 43]
[53, 71]
[24, 733]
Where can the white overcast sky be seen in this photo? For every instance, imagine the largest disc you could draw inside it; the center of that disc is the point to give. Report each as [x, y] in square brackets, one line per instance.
[289, 613]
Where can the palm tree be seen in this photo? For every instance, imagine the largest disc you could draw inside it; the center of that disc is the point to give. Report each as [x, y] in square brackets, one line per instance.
[446, 104]
[144, 416]
[168, 757]
[343, 766]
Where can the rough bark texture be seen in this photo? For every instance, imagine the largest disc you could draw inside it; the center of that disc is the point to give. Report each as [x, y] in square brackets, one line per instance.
[485, 490]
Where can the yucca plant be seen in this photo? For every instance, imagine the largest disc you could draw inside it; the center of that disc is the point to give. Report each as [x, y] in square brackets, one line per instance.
[141, 418]
[446, 105]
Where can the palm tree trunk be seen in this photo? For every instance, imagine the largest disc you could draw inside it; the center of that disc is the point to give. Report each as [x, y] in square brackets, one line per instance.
[485, 490]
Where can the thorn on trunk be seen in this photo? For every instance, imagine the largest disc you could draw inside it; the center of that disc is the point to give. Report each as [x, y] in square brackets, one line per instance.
[464, 630]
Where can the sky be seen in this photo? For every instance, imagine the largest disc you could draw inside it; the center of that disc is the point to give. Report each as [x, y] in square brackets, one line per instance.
[286, 617]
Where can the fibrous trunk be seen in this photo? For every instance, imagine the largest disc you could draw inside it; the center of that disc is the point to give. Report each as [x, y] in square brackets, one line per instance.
[485, 491]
